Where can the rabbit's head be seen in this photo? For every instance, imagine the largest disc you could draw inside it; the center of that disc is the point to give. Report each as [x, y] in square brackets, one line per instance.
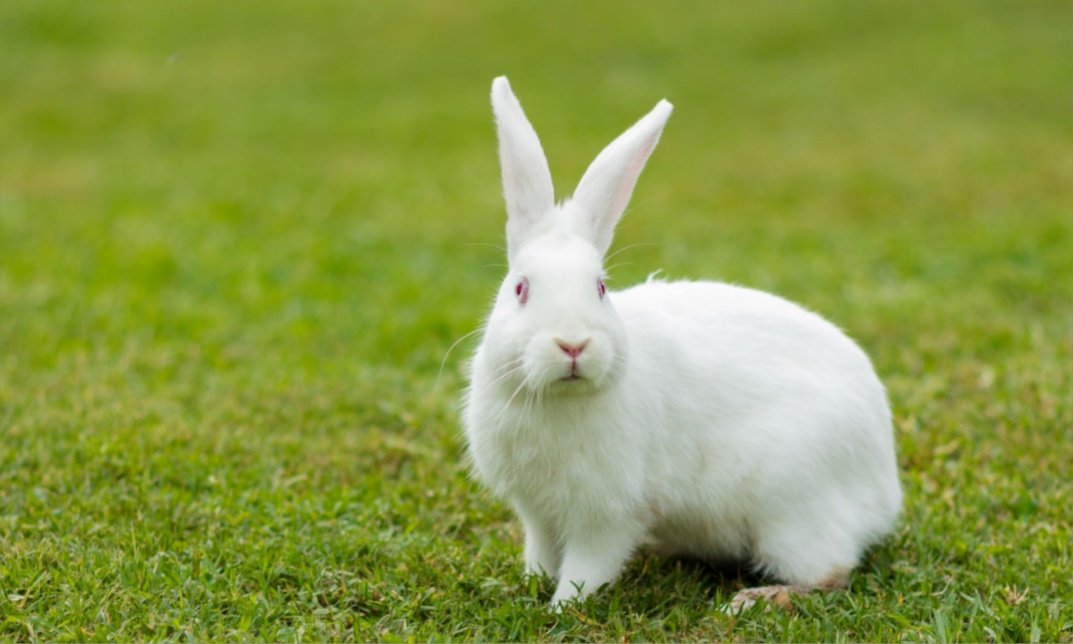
[553, 326]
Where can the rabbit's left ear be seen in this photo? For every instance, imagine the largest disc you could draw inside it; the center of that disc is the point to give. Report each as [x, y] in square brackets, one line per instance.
[527, 186]
[606, 187]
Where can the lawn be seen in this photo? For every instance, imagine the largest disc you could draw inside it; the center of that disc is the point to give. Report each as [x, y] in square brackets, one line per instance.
[237, 240]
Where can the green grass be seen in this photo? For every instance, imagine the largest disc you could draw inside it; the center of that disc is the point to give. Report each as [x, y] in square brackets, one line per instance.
[236, 240]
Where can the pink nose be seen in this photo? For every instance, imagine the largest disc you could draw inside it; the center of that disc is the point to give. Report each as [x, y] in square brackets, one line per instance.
[572, 350]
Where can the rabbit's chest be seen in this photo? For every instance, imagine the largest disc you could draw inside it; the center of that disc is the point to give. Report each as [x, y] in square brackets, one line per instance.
[559, 462]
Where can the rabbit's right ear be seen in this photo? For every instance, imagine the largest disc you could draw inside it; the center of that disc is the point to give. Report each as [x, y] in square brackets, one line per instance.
[606, 186]
[527, 186]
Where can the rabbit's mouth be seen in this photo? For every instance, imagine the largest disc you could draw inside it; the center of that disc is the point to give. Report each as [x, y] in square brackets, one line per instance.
[573, 374]
[576, 382]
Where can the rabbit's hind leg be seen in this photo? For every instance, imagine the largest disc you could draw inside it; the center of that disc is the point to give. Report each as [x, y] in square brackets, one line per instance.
[806, 558]
[779, 595]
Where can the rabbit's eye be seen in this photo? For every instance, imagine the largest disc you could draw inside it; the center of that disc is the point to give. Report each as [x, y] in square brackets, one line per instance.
[601, 288]
[521, 289]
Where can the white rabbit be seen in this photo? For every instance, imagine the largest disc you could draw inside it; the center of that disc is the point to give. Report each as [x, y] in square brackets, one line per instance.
[703, 419]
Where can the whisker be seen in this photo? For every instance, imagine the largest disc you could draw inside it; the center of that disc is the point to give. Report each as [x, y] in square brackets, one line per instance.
[516, 391]
[500, 378]
[626, 248]
[537, 399]
[448, 354]
[496, 246]
[614, 266]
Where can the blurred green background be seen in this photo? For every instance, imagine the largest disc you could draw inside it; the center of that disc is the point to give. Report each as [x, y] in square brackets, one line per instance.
[237, 240]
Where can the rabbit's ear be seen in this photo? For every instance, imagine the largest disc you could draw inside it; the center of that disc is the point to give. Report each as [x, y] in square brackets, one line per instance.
[605, 188]
[527, 186]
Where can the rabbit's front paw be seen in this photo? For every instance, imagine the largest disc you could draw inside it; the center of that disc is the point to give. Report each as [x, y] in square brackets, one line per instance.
[594, 559]
[542, 555]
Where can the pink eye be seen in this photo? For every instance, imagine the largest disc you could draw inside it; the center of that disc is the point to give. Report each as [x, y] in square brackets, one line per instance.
[601, 288]
[521, 289]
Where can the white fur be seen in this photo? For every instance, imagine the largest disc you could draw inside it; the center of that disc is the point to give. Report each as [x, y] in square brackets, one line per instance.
[708, 420]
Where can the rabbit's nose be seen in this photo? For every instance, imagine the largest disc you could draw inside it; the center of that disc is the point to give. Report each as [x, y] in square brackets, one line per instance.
[572, 350]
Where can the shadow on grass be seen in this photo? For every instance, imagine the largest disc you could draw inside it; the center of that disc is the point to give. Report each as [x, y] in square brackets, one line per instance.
[653, 583]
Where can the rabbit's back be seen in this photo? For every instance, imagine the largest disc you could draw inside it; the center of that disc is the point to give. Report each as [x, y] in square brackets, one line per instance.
[771, 420]
[744, 346]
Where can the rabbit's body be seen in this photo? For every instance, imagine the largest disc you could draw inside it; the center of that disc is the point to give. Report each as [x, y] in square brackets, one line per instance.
[765, 437]
[701, 418]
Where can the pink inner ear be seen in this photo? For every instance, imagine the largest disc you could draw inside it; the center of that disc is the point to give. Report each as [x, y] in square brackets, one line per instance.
[629, 180]
[622, 191]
